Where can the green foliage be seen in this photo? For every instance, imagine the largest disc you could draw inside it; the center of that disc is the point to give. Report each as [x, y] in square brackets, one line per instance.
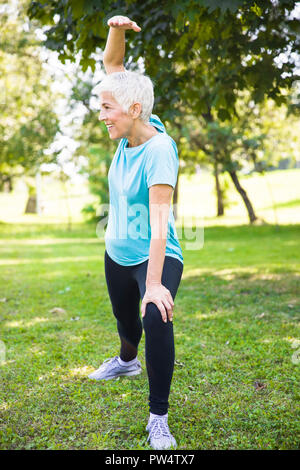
[28, 122]
[233, 43]
[258, 137]
[202, 55]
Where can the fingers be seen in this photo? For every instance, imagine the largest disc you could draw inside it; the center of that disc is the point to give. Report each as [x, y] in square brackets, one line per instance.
[170, 305]
[163, 301]
[165, 308]
[170, 299]
[169, 309]
[123, 22]
[162, 310]
[143, 309]
[135, 27]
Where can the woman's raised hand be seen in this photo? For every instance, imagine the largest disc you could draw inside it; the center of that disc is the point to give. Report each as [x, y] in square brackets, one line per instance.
[123, 22]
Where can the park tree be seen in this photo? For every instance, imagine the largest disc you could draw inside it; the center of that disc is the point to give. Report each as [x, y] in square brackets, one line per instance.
[258, 140]
[28, 121]
[240, 42]
[209, 52]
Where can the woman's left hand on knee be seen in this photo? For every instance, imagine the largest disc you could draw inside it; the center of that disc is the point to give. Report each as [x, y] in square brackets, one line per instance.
[162, 298]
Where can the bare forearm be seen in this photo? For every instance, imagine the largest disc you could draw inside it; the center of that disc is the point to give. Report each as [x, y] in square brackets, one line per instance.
[157, 254]
[114, 51]
[159, 207]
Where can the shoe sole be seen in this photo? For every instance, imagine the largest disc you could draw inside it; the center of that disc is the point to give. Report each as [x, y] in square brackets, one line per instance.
[171, 447]
[128, 374]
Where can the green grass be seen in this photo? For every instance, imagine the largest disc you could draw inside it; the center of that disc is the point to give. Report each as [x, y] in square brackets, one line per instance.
[236, 324]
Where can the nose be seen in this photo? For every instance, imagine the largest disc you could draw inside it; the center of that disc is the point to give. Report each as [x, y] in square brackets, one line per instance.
[102, 116]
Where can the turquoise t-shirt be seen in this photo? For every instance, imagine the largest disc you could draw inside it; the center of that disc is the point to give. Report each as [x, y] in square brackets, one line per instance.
[132, 171]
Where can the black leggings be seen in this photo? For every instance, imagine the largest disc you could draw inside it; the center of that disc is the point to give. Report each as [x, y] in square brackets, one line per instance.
[126, 287]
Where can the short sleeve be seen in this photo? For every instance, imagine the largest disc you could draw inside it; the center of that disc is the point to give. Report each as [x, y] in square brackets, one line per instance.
[162, 165]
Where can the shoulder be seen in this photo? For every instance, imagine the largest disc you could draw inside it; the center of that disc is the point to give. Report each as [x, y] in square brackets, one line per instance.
[162, 157]
[163, 143]
[162, 162]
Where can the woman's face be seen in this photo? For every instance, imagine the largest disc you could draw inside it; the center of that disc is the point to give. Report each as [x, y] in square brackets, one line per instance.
[118, 123]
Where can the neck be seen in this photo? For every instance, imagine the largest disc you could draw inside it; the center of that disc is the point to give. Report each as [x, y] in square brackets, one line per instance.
[140, 134]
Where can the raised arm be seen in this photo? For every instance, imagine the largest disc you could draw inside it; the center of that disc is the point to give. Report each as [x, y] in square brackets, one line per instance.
[114, 51]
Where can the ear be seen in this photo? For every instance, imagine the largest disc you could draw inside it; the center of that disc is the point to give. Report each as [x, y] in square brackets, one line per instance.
[135, 110]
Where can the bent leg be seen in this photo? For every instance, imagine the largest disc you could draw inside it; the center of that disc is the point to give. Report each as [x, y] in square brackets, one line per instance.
[125, 297]
[160, 355]
[160, 351]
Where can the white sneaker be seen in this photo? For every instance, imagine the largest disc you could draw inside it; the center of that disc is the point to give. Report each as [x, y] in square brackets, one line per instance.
[111, 369]
[159, 434]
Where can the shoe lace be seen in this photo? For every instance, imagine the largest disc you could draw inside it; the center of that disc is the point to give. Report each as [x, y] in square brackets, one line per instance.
[106, 364]
[159, 428]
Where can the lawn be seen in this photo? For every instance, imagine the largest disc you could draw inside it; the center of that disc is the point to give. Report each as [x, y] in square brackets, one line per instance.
[236, 323]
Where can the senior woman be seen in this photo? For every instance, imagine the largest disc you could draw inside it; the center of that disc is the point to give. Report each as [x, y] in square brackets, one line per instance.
[143, 257]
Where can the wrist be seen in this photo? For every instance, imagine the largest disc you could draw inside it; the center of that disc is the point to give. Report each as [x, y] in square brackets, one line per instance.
[152, 283]
[115, 28]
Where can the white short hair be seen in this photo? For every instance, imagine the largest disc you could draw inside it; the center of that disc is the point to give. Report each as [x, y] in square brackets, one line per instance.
[128, 88]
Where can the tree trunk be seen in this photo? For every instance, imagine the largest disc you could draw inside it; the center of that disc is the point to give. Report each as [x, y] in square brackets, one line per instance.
[252, 216]
[31, 207]
[220, 209]
[5, 183]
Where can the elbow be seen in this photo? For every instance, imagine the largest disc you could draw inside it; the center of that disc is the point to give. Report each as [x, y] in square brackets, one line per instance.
[111, 67]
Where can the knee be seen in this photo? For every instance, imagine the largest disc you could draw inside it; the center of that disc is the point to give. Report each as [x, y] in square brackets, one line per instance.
[153, 319]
